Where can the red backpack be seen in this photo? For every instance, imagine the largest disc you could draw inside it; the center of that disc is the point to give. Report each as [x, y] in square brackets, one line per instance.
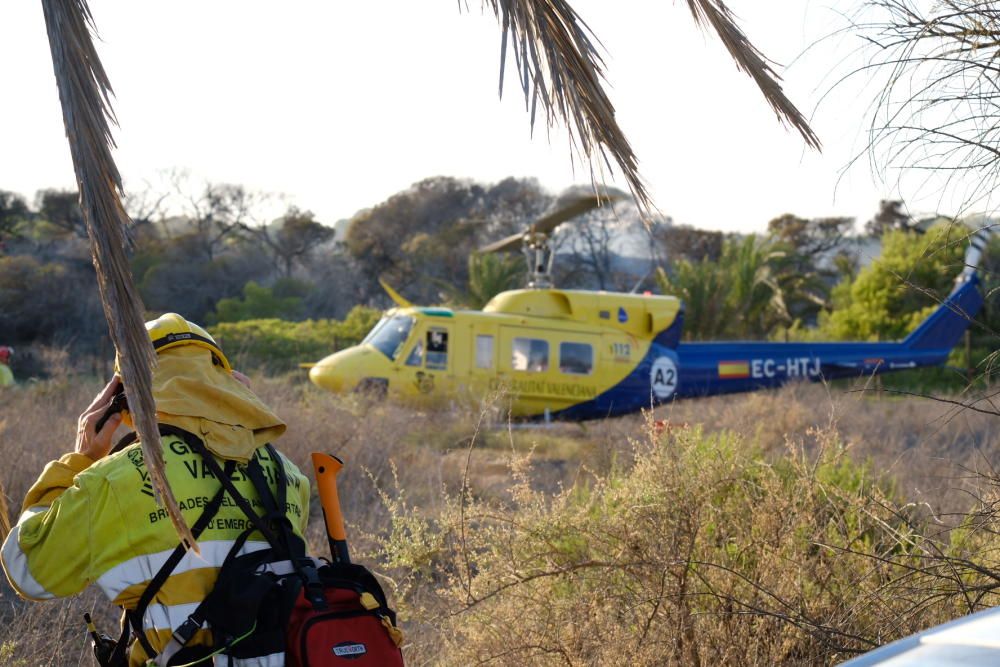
[355, 627]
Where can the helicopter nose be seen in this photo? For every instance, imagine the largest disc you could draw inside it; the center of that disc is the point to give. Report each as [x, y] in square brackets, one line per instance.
[325, 375]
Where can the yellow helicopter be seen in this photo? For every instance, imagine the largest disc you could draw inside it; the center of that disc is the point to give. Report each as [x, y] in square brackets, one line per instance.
[577, 354]
[555, 351]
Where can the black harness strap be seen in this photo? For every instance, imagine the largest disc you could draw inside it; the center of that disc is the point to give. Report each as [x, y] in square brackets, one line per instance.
[227, 483]
[276, 508]
[294, 547]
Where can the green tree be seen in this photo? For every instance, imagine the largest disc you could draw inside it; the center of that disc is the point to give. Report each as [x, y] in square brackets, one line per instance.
[691, 243]
[701, 286]
[891, 296]
[890, 216]
[52, 302]
[219, 216]
[353, 328]
[185, 282]
[489, 274]
[61, 209]
[754, 285]
[738, 296]
[809, 237]
[809, 263]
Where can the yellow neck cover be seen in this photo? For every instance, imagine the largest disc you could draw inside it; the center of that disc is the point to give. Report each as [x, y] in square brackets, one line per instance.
[193, 394]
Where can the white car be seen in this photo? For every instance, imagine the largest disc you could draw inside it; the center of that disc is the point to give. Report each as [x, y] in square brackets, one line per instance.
[970, 641]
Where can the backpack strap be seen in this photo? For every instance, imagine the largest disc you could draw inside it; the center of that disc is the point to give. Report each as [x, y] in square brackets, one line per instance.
[227, 483]
[276, 507]
[291, 547]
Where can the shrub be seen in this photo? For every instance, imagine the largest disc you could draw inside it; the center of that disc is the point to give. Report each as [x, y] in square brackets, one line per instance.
[278, 345]
[702, 553]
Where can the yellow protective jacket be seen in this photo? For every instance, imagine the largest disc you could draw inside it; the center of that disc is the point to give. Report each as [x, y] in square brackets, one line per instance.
[87, 522]
[6, 376]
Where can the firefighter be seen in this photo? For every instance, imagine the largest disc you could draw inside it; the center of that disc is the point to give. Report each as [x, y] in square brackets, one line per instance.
[91, 517]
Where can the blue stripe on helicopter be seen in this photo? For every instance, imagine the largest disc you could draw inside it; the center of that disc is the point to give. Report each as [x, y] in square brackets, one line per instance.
[705, 369]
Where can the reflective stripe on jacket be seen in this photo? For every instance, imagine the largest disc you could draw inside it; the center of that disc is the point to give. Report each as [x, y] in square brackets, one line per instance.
[85, 522]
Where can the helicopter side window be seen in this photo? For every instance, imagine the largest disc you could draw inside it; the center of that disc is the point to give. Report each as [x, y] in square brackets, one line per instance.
[437, 349]
[416, 357]
[576, 358]
[484, 352]
[530, 354]
[389, 335]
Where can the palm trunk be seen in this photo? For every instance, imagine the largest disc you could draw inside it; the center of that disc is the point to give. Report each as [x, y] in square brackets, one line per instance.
[85, 94]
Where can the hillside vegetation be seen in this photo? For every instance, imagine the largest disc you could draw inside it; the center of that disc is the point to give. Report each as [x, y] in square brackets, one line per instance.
[289, 289]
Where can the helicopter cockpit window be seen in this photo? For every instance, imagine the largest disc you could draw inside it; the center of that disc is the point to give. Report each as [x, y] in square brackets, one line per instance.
[389, 335]
[437, 349]
[530, 354]
[576, 358]
[416, 357]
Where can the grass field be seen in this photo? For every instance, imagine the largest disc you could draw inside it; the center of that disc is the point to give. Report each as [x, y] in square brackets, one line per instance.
[790, 527]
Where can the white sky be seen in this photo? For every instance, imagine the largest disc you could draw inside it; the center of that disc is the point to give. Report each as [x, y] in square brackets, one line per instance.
[340, 104]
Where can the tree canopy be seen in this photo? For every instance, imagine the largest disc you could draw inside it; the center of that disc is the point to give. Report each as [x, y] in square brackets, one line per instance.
[895, 292]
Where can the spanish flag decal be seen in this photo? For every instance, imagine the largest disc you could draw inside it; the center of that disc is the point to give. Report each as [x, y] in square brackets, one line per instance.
[734, 369]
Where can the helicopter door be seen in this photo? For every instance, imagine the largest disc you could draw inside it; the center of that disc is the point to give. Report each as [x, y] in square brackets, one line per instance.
[430, 359]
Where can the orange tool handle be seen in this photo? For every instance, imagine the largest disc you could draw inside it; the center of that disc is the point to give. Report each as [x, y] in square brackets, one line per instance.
[326, 468]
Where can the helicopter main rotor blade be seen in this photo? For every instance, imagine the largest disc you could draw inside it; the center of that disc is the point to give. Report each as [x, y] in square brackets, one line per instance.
[547, 224]
[576, 206]
[512, 242]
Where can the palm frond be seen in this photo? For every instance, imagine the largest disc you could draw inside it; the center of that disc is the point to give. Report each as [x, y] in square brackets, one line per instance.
[750, 60]
[559, 67]
[4, 516]
[85, 94]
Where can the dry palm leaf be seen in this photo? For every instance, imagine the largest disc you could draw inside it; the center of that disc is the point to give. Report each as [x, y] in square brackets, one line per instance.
[4, 516]
[559, 66]
[85, 93]
[750, 60]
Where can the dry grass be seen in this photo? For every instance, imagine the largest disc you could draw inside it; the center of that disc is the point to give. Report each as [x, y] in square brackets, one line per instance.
[462, 518]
